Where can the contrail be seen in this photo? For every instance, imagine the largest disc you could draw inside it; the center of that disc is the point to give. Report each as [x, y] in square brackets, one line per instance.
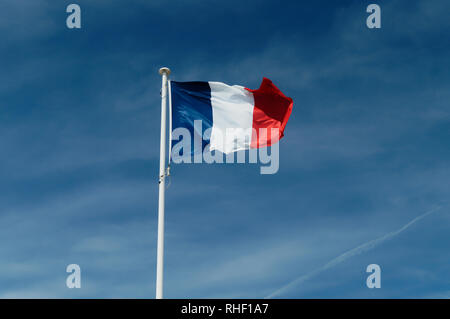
[352, 252]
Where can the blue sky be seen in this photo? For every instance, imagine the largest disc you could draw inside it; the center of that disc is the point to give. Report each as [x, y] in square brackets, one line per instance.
[364, 153]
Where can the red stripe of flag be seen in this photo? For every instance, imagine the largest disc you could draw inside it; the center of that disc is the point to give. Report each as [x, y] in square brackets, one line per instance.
[272, 110]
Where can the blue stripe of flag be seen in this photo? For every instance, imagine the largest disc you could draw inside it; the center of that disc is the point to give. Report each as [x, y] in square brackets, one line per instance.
[192, 101]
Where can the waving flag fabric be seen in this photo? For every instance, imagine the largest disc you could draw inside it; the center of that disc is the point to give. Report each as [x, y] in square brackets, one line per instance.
[220, 107]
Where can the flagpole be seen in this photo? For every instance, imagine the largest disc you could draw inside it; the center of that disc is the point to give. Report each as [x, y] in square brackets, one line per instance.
[164, 72]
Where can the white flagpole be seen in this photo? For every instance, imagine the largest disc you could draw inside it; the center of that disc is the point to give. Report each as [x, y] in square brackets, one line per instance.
[164, 72]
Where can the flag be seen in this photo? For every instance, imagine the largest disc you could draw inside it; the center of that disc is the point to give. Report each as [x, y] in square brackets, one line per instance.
[250, 114]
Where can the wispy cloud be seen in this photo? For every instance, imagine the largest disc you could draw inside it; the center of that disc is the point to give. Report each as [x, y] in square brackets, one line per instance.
[348, 254]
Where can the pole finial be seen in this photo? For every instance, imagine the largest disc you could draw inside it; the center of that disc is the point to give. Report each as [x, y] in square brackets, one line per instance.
[164, 70]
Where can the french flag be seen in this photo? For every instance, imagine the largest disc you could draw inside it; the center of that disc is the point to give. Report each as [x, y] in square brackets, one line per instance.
[221, 107]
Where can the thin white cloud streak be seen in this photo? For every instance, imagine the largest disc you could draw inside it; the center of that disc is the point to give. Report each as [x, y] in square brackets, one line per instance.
[348, 254]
